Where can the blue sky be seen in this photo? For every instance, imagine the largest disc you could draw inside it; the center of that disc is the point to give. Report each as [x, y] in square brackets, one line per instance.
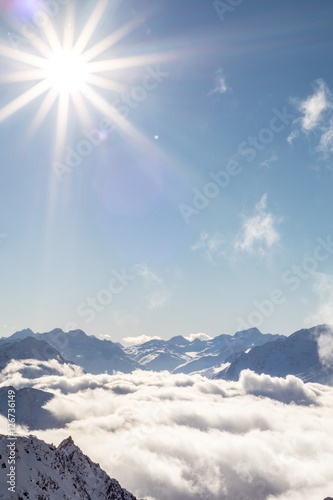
[207, 208]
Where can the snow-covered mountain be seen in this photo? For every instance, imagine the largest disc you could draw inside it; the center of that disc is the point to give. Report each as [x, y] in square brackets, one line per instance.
[44, 472]
[92, 354]
[307, 354]
[179, 355]
[29, 409]
[27, 348]
[224, 356]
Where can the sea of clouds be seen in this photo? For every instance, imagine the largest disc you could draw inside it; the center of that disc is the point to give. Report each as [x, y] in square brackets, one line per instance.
[185, 437]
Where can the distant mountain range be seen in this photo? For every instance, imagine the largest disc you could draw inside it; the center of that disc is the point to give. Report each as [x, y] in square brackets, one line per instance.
[92, 354]
[44, 472]
[179, 355]
[295, 355]
[27, 348]
[225, 356]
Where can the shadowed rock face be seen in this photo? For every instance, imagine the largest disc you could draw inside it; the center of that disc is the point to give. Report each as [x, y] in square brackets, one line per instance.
[29, 409]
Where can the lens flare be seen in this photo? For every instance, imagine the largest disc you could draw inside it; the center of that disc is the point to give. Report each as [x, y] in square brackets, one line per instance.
[71, 69]
[66, 72]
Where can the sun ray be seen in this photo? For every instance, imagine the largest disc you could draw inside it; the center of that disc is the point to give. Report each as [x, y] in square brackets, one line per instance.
[43, 111]
[110, 40]
[24, 99]
[127, 62]
[90, 27]
[66, 70]
[68, 39]
[81, 109]
[42, 47]
[52, 37]
[62, 122]
[25, 57]
[106, 83]
[103, 105]
[111, 112]
[23, 76]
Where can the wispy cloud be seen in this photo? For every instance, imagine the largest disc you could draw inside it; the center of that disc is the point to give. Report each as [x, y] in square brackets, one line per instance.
[157, 294]
[211, 246]
[201, 336]
[323, 288]
[316, 116]
[268, 163]
[259, 233]
[220, 84]
[140, 339]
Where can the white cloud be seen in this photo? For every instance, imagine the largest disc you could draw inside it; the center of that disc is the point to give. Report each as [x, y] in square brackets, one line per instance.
[323, 288]
[316, 116]
[268, 163]
[186, 437]
[220, 84]
[259, 232]
[314, 106]
[325, 349]
[201, 336]
[211, 245]
[326, 140]
[288, 390]
[189, 438]
[140, 339]
[157, 292]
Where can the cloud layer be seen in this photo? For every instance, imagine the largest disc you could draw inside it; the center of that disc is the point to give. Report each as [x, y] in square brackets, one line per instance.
[186, 437]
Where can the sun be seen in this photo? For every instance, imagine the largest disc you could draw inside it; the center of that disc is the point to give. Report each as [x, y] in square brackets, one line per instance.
[66, 72]
[70, 69]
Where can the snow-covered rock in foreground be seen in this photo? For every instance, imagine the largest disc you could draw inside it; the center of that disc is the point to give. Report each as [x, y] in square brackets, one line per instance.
[44, 472]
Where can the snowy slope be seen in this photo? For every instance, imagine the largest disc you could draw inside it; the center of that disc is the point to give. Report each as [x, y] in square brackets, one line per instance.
[27, 348]
[179, 355]
[92, 354]
[295, 355]
[44, 472]
[159, 355]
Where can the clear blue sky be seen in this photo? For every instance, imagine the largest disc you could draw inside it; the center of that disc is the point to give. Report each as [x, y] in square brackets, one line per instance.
[198, 212]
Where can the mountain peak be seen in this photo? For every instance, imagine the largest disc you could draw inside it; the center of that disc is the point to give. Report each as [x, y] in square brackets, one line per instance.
[67, 442]
[248, 332]
[43, 467]
[179, 340]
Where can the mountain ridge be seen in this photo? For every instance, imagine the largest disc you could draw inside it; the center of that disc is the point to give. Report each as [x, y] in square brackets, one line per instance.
[298, 354]
[46, 472]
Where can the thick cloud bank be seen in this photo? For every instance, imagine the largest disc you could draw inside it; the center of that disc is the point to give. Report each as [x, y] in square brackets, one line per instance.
[186, 437]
